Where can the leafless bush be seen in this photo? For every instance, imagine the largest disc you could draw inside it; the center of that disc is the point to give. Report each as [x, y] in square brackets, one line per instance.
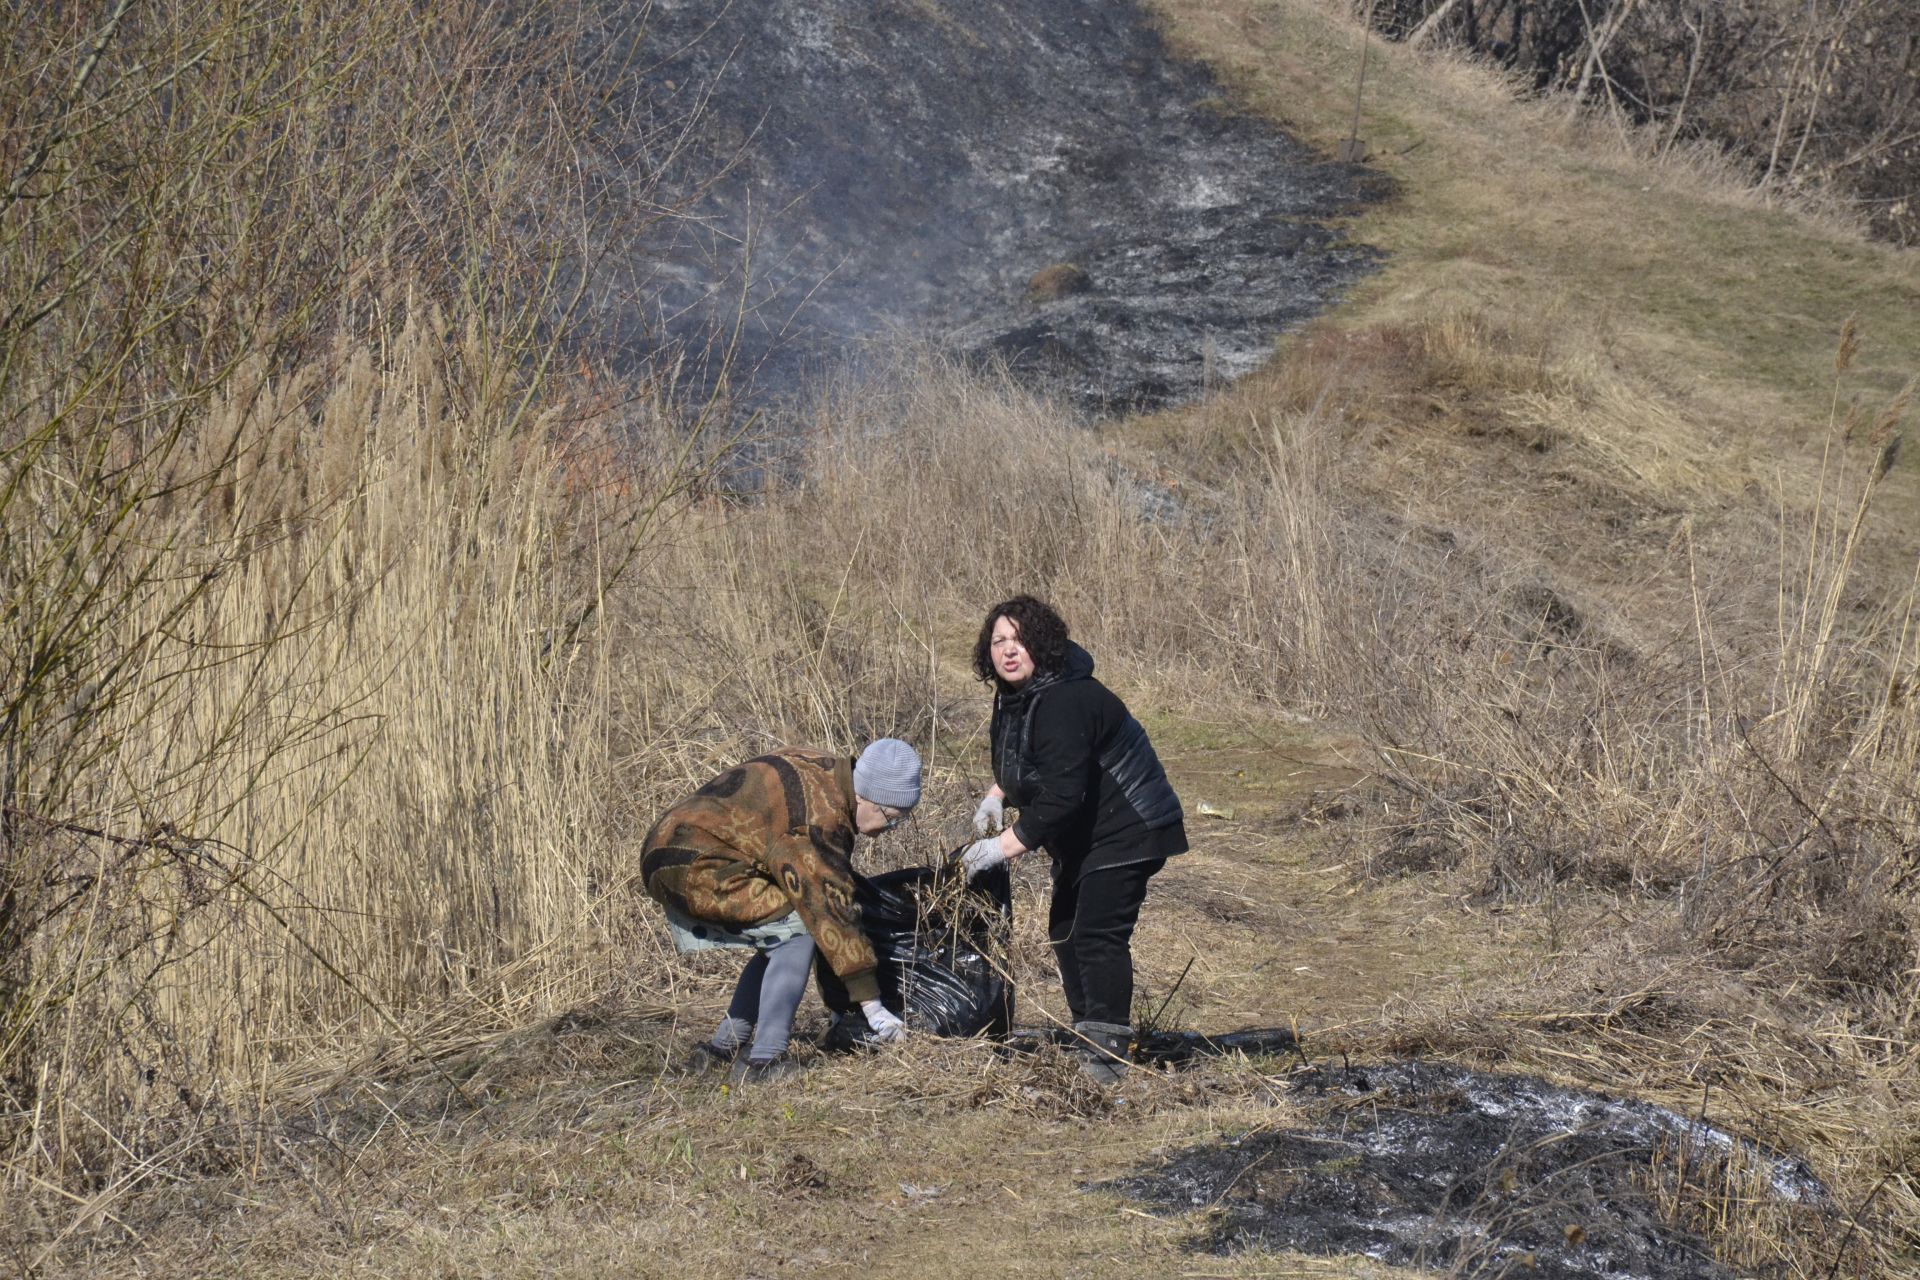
[295, 549]
[1823, 95]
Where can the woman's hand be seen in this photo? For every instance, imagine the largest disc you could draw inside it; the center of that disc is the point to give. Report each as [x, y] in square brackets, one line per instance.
[882, 1021]
[982, 855]
[991, 816]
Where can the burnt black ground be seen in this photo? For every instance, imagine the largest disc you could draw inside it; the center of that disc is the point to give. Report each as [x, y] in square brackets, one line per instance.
[1424, 1165]
[1174, 1049]
[905, 166]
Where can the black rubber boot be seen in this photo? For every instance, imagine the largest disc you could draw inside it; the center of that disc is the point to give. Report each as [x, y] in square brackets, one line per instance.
[1102, 1048]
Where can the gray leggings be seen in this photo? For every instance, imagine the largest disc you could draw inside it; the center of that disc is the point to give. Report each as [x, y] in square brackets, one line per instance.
[769, 994]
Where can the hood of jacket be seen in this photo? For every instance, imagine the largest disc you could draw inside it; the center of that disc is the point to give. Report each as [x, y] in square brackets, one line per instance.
[1078, 666]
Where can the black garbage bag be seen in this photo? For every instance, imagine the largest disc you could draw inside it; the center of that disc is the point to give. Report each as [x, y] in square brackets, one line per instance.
[942, 949]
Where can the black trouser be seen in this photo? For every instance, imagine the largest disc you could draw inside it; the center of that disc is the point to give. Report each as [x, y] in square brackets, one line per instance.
[1090, 925]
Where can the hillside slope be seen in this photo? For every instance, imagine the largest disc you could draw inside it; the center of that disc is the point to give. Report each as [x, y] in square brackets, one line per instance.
[888, 170]
[1541, 616]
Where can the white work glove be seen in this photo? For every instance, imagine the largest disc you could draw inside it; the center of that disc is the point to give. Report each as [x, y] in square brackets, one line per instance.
[991, 816]
[885, 1026]
[982, 855]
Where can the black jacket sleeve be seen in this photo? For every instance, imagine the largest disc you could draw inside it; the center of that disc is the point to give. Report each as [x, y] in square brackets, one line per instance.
[1066, 738]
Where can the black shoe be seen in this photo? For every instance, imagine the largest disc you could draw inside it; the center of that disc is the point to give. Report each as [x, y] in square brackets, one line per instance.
[708, 1057]
[762, 1070]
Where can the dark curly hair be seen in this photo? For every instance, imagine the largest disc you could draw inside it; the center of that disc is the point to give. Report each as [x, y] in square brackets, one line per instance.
[1043, 631]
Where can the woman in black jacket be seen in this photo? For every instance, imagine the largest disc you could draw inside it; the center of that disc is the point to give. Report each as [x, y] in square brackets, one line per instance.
[1091, 792]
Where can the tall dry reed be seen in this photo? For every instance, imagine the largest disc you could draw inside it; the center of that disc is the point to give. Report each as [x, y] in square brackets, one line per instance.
[297, 712]
[356, 782]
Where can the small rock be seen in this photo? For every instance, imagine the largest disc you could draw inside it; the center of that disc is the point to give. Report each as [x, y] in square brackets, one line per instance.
[1061, 280]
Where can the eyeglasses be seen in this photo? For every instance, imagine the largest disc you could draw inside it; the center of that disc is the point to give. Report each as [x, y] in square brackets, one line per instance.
[893, 816]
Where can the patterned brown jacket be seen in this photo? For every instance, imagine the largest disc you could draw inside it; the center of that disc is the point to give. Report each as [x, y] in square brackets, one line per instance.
[768, 837]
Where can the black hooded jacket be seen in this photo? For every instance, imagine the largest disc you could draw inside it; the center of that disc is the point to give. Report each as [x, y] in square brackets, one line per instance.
[1080, 769]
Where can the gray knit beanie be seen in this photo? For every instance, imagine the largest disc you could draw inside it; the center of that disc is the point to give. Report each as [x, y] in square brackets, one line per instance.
[888, 772]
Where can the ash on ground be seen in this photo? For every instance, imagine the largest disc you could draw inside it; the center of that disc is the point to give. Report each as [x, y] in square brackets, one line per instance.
[1423, 1165]
[1038, 181]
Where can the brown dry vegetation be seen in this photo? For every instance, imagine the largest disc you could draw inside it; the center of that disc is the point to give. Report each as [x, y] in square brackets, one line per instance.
[1544, 615]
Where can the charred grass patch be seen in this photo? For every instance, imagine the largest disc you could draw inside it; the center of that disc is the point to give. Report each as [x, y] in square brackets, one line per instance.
[1792, 1074]
[1466, 1172]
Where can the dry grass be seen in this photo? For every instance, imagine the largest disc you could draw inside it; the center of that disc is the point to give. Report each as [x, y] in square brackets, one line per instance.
[1543, 766]
[294, 740]
[349, 788]
[339, 692]
[1663, 284]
